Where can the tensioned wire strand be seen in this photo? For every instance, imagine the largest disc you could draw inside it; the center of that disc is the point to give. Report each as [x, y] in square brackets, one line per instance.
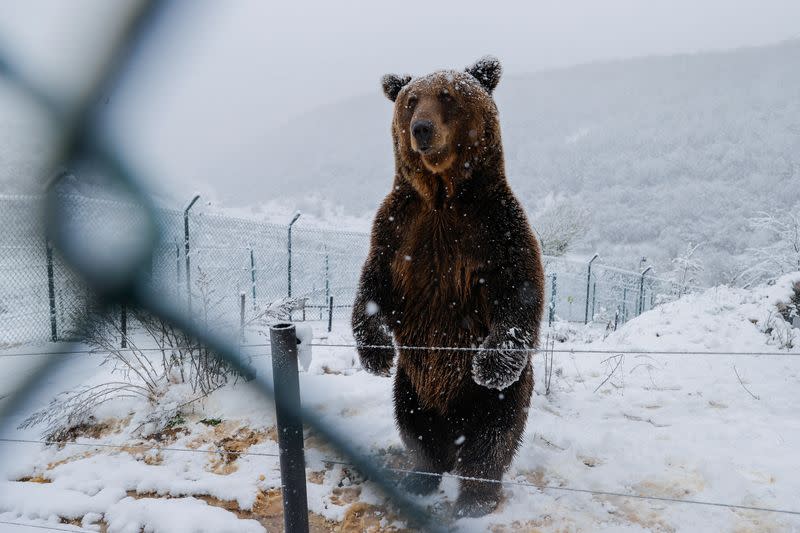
[40, 526]
[577, 351]
[128, 448]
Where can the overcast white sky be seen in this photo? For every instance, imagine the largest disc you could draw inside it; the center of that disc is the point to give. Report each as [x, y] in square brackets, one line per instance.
[247, 65]
[291, 56]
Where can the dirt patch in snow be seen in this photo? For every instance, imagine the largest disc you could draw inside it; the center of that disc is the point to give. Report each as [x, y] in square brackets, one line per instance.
[541, 478]
[233, 437]
[342, 496]
[76, 457]
[369, 518]
[753, 522]
[530, 526]
[232, 440]
[102, 526]
[38, 478]
[642, 514]
[689, 483]
[268, 511]
[232, 447]
[94, 429]
[313, 440]
[317, 477]
[168, 435]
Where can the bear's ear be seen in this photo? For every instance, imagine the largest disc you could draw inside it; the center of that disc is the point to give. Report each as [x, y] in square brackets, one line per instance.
[392, 83]
[486, 70]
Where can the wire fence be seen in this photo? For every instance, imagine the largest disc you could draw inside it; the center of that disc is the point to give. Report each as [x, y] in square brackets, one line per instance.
[208, 263]
[437, 349]
[143, 446]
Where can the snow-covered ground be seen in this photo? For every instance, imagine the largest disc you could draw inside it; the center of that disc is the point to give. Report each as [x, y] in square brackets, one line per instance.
[692, 426]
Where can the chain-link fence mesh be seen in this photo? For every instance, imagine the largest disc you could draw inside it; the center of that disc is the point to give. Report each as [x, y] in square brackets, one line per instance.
[231, 260]
[24, 298]
[602, 293]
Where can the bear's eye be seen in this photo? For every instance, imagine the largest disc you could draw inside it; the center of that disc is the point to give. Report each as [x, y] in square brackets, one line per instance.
[411, 102]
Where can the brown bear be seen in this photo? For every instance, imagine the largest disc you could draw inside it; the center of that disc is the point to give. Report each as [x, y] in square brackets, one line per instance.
[452, 263]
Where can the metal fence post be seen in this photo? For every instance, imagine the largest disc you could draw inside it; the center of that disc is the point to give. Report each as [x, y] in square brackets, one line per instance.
[283, 339]
[330, 313]
[588, 286]
[289, 250]
[327, 276]
[553, 296]
[186, 250]
[253, 276]
[62, 315]
[641, 289]
[594, 297]
[51, 292]
[241, 315]
[625, 304]
[641, 300]
[123, 325]
[177, 271]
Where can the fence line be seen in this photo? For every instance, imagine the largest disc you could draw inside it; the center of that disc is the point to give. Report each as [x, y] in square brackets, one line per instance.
[575, 351]
[128, 448]
[40, 298]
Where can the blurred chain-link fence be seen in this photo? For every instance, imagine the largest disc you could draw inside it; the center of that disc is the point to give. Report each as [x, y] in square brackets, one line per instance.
[226, 261]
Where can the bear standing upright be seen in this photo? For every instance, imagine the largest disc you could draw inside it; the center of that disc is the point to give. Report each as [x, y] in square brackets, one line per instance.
[452, 263]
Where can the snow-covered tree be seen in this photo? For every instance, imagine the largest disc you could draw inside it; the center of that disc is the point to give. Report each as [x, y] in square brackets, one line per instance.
[560, 225]
[686, 267]
[781, 252]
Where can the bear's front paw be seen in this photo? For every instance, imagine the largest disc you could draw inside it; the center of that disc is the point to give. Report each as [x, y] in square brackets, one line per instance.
[497, 368]
[376, 361]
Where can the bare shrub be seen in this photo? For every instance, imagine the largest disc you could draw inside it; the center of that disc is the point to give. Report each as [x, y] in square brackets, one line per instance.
[686, 268]
[780, 253]
[779, 330]
[560, 225]
[791, 309]
[613, 364]
[157, 357]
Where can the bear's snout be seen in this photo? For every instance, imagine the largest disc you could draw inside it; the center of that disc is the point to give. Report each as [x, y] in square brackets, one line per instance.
[422, 130]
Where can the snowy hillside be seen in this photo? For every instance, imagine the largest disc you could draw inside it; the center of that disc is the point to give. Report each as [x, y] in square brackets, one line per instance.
[622, 416]
[662, 151]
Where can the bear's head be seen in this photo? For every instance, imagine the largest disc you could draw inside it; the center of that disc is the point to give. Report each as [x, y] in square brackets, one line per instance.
[445, 123]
